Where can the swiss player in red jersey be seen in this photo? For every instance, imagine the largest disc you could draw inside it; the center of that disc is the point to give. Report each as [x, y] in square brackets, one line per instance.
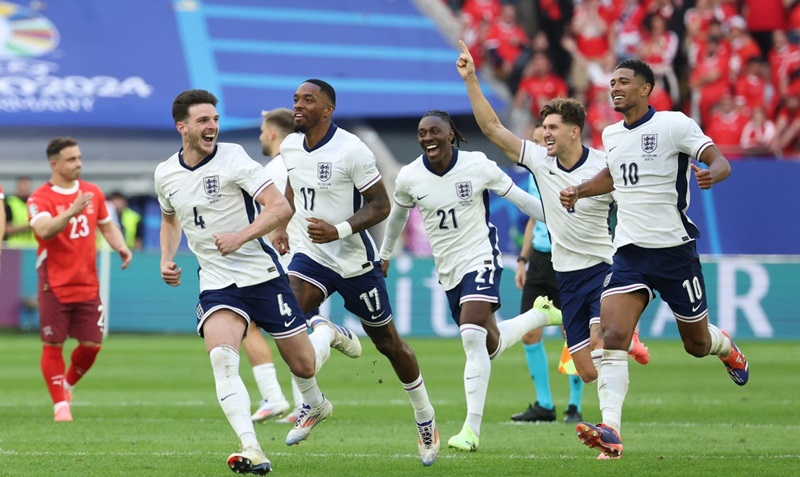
[65, 214]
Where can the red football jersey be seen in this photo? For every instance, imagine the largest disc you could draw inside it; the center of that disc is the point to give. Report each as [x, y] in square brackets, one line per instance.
[70, 256]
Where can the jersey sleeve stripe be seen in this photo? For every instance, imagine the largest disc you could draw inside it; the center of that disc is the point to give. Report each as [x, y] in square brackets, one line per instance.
[505, 193]
[263, 186]
[522, 152]
[105, 221]
[403, 205]
[702, 148]
[39, 216]
[370, 183]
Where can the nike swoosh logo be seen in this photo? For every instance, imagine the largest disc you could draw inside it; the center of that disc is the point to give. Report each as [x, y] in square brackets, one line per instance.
[471, 377]
[226, 397]
[483, 288]
[552, 173]
[287, 323]
[290, 169]
[172, 193]
[375, 317]
[420, 198]
[695, 308]
[611, 149]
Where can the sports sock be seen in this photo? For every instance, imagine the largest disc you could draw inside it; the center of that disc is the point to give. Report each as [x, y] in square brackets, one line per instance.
[297, 396]
[267, 382]
[720, 344]
[81, 360]
[309, 390]
[321, 338]
[613, 386]
[536, 357]
[52, 364]
[477, 371]
[232, 394]
[575, 391]
[423, 411]
[512, 330]
[597, 356]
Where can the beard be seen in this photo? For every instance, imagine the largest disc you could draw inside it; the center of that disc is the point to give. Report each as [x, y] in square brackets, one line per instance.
[301, 128]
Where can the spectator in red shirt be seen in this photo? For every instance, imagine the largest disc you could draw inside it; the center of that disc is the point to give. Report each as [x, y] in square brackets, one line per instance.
[709, 79]
[784, 57]
[751, 88]
[726, 125]
[743, 47]
[476, 16]
[786, 143]
[763, 17]
[758, 134]
[628, 29]
[539, 85]
[599, 115]
[64, 214]
[591, 27]
[505, 40]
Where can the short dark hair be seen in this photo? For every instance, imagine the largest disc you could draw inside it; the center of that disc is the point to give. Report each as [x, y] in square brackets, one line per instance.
[640, 69]
[187, 99]
[571, 111]
[325, 87]
[458, 138]
[280, 118]
[55, 146]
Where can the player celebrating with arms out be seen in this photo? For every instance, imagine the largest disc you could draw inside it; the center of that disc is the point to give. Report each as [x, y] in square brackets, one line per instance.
[649, 164]
[451, 188]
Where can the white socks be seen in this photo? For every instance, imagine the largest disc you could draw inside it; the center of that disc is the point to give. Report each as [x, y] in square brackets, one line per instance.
[720, 344]
[232, 394]
[321, 338]
[423, 411]
[267, 382]
[477, 371]
[512, 330]
[612, 386]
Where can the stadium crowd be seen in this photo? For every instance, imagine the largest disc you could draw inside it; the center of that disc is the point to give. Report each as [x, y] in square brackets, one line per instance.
[732, 65]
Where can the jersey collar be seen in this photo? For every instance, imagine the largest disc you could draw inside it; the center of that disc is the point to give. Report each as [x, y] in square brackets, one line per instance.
[325, 140]
[584, 156]
[649, 114]
[200, 164]
[427, 163]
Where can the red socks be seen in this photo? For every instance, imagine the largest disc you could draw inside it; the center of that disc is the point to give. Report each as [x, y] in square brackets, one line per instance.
[52, 364]
[82, 359]
[53, 370]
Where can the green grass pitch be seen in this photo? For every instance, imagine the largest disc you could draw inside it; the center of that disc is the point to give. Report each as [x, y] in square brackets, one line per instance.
[148, 408]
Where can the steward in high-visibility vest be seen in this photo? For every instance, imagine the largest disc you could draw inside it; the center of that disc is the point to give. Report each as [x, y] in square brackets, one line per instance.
[17, 211]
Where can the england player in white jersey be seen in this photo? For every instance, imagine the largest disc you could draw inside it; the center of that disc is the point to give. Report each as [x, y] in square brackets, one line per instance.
[581, 240]
[451, 188]
[649, 166]
[338, 193]
[206, 191]
[275, 126]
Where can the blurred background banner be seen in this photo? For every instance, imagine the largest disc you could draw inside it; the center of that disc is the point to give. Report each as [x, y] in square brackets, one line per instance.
[109, 64]
[750, 296]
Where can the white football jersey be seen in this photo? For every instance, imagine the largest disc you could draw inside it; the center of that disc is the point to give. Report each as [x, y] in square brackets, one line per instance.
[580, 237]
[216, 196]
[455, 211]
[327, 182]
[277, 171]
[650, 162]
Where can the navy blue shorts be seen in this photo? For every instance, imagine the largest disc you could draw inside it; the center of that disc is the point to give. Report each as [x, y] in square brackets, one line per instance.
[271, 305]
[580, 300]
[365, 296]
[675, 273]
[481, 285]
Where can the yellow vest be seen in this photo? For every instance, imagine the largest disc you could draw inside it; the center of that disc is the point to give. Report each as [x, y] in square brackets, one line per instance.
[19, 218]
[130, 222]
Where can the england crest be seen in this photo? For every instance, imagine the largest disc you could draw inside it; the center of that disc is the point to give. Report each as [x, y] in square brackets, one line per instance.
[211, 185]
[324, 170]
[464, 190]
[649, 142]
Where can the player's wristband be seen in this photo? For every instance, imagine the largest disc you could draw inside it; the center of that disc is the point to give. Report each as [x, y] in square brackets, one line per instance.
[344, 229]
[522, 259]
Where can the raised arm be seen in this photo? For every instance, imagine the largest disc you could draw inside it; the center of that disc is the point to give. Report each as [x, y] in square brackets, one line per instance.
[487, 119]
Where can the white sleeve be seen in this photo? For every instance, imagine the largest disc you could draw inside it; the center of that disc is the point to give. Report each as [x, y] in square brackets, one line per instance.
[395, 224]
[528, 204]
[688, 137]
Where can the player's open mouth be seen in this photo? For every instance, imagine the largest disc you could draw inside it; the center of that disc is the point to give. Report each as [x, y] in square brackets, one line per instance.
[209, 138]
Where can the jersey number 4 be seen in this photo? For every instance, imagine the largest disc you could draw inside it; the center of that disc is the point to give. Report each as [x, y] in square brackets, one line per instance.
[198, 220]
